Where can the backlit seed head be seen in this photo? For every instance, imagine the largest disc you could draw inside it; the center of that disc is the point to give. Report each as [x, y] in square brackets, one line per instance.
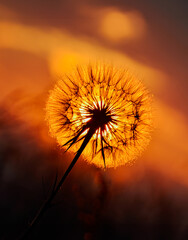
[112, 102]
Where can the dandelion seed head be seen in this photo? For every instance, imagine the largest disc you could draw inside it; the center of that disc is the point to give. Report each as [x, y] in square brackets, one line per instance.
[112, 102]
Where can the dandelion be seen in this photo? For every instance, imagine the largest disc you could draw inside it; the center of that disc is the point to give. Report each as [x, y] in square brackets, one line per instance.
[100, 112]
[110, 107]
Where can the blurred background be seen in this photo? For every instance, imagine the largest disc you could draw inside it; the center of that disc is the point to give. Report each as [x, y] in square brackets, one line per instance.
[39, 41]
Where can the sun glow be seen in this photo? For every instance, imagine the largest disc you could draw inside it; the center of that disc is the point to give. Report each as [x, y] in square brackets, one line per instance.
[112, 103]
[105, 129]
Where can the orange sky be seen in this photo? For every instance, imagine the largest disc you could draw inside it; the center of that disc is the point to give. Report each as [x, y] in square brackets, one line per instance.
[38, 44]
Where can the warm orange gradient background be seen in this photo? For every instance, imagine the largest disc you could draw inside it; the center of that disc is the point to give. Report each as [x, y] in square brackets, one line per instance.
[41, 40]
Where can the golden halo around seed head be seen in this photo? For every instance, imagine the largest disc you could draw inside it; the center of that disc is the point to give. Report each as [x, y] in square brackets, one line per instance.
[112, 102]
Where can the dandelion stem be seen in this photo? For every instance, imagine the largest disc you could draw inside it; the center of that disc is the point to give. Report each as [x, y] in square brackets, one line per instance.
[55, 190]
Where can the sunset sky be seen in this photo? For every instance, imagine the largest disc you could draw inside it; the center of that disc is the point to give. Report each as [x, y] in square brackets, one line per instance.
[42, 40]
